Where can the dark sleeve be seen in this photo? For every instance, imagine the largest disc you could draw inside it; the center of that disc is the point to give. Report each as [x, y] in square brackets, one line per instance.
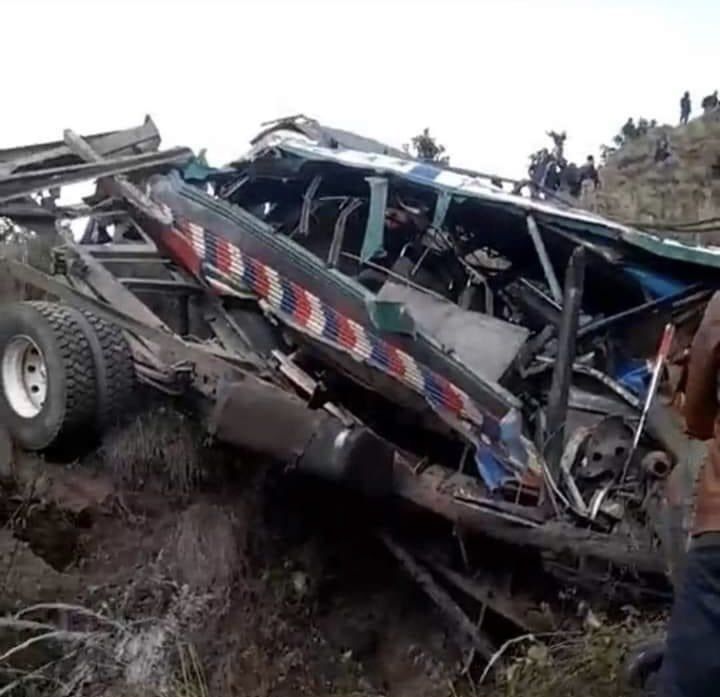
[701, 403]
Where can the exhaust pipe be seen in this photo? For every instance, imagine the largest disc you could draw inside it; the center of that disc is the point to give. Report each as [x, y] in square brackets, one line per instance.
[262, 418]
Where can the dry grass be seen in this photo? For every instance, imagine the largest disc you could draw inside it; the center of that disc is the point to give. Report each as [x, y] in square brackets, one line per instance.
[208, 549]
[589, 664]
[191, 681]
[161, 446]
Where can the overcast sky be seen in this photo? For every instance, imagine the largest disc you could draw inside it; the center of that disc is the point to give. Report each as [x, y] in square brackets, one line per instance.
[489, 77]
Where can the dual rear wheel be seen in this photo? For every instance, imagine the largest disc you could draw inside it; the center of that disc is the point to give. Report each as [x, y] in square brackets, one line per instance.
[66, 376]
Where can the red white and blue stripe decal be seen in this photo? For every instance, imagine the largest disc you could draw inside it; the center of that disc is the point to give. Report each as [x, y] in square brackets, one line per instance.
[225, 267]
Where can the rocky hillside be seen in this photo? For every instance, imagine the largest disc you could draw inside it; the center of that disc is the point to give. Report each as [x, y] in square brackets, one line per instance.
[639, 187]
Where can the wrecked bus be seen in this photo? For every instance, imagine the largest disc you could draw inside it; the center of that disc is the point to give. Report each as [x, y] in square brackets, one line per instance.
[510, 364]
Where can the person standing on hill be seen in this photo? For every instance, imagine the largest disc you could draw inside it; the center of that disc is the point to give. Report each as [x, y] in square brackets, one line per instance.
[685, 108]
[558, 140]
[629, 130]
[588, 172]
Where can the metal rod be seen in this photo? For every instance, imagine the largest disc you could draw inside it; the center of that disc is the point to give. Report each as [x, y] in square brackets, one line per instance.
[487, 592]
[392, 274]
[662, 354]
[547, 266]
[304, 227]
[121, 184]
[339, 233]
[469, 633]
[693, 292]
[566, 463]
[562, 374]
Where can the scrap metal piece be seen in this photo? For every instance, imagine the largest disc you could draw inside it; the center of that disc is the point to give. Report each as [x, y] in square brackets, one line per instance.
[471, 636]
[531, 348]
[657, 464]
[120, 184]
[606, 380]
[562, 374]
[309, 386]
[25, 183]
[538, 309]
[394, 275]
[662, 354]
[229, 332]
[346, 210]
[598, 499]
[607, 449]
[375, 228]
[442, 204]
[308, 197]
[132, 141]
[482, 343]
[569, 457]
[594, 403]
[328, 136]
[111, 289]
[488, 594]
[693, 294]
[460, 498]
[231, 189]
[550, 275]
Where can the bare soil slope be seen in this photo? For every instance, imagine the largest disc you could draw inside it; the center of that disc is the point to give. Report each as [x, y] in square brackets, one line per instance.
[684, 188]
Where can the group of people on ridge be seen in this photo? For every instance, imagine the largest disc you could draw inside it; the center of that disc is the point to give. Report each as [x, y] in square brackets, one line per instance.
[550, 171]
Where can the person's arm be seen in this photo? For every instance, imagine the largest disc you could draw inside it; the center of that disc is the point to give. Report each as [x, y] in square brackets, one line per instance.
[701, 400]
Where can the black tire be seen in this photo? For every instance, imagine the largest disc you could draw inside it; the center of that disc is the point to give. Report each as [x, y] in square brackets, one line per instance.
[114, 370]
[71, 397]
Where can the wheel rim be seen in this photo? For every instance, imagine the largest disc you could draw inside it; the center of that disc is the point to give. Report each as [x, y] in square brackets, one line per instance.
[24, 376]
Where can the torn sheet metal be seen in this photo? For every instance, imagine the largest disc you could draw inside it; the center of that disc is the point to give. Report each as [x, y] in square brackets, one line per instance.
[223, 264]
[326, 135]
[133, 141]
[223, 224]
[23, 184]
[374, 230]
[442, 179]
[219, 260]
[485, 344]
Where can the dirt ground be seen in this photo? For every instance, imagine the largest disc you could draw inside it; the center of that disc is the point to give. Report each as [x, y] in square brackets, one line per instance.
[266, 598]
[164, 567]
